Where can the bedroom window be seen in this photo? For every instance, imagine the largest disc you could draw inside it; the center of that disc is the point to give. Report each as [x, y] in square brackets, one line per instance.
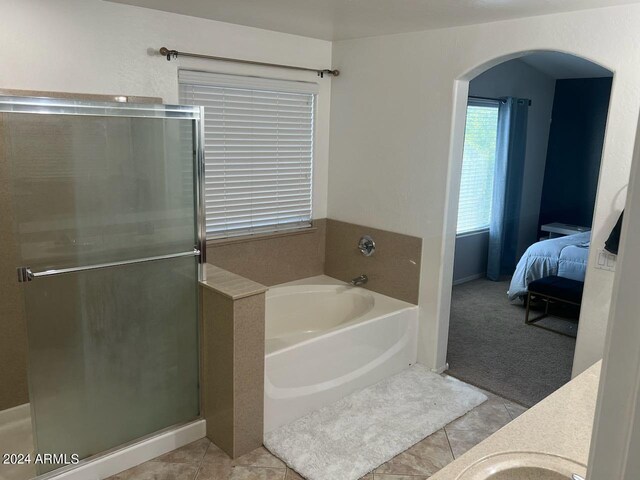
[478, 163]
[258, 151]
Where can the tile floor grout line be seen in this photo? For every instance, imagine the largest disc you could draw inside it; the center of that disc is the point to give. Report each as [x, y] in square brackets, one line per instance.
[392, 475]
[202, 460]
[446, 434]
[514, 416]
[508, 412]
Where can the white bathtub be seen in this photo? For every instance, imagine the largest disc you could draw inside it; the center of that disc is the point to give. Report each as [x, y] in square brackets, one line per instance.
[326, 339]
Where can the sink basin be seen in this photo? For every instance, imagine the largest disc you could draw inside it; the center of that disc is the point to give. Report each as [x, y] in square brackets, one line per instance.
[523, 466]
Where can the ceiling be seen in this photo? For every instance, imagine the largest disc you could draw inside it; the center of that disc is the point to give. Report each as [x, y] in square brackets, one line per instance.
[343, 19]
[562, 66]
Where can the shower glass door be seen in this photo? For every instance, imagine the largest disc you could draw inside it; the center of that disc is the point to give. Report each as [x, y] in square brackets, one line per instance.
[105, 204]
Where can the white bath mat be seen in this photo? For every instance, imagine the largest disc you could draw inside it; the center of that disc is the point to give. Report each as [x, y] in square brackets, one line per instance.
[353, 436]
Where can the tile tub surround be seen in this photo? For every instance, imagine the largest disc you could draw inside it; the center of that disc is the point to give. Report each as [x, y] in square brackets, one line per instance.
[230, 285]
[394, 268]
[273, 259]
[13, 322]
[233, 310]
[329, 248]
[560, 425]
[201, 460]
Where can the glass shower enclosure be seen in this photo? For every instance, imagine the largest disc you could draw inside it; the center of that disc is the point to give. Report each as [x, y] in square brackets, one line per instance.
[105, 206]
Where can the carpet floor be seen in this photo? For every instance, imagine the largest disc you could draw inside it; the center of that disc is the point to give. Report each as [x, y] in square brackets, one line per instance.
[353, 436]
[491, 347]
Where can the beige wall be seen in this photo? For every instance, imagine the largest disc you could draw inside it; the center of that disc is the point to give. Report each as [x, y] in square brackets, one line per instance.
[616, 433]
[397, 131]
[93, 46]
[106, 48]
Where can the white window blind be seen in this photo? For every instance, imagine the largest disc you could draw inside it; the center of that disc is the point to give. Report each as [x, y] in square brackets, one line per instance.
[478, 164]
[258, 151]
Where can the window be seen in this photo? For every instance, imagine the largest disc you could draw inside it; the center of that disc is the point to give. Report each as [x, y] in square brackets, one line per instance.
[478, 163]
[258, 151]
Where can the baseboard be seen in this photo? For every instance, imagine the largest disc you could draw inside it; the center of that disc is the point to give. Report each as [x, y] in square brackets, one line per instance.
[135, 454]
[441, 369]
[21, 412]
[470, 278]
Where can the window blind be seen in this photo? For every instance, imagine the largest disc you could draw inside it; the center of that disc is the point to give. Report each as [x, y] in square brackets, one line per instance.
[478, 165]
[258, 151]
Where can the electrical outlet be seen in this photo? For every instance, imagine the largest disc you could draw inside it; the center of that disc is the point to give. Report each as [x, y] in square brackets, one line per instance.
[606, 261]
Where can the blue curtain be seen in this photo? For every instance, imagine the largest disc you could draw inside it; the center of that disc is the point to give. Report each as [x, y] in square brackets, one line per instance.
[507, 187]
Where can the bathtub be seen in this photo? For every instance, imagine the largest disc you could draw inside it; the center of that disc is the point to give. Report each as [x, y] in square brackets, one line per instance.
[326, 339]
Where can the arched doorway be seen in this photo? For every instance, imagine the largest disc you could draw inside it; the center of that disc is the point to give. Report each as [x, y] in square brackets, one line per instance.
[519, 178]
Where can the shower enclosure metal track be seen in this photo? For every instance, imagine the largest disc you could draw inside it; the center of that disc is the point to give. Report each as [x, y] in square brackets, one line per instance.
[26, 275]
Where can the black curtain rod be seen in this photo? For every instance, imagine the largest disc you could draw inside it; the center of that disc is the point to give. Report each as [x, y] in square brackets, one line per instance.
[166, 52]
[501, 100]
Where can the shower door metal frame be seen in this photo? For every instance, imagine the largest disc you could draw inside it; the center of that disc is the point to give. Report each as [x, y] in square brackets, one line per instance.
[55, 106]
[199, 178]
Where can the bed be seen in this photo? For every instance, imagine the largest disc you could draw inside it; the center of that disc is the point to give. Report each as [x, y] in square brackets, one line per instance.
[564, 256]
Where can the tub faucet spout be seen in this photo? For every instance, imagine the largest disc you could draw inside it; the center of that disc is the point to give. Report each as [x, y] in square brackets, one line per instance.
[361, 280]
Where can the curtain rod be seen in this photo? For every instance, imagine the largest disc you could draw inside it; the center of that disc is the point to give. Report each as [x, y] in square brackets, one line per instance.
[501, 100]
[165, 52]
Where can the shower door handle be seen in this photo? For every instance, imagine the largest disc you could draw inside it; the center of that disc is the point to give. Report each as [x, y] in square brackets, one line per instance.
[25, 274]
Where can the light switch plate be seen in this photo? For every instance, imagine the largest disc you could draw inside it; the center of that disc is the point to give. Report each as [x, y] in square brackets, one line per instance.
[606, 261]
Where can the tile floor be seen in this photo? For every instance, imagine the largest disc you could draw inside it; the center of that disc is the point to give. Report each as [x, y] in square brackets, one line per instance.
[16, 436]
[202, 460]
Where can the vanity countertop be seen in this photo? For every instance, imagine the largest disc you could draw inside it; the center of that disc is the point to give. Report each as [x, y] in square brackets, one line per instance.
[561, 424]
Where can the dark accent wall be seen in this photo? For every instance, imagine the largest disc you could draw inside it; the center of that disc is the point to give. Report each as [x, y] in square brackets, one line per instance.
[576, 138]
